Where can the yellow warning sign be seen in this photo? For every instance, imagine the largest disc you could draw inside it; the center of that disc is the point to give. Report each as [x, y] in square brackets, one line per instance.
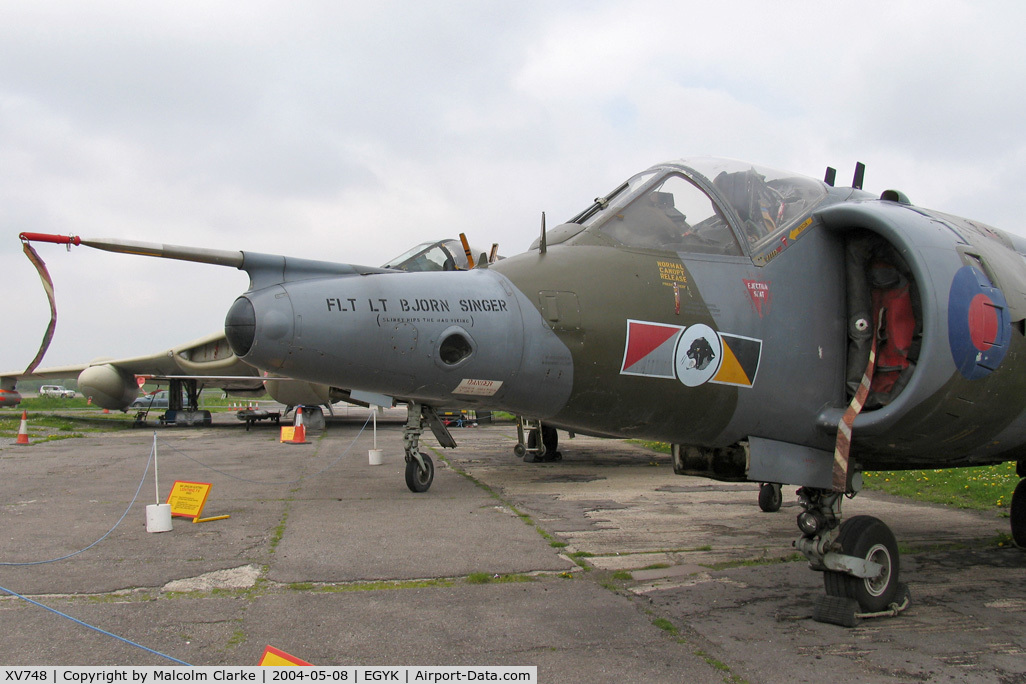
[273, 657]
[188, 498]
[288, 433]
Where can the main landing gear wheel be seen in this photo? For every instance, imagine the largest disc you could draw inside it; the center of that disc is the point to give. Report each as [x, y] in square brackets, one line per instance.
[419, 479]
[866, 537]
[1018, 514]
[770, 497]
[548, 449]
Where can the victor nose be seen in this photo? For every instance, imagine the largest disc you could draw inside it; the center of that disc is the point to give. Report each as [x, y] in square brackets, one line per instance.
[240, 326]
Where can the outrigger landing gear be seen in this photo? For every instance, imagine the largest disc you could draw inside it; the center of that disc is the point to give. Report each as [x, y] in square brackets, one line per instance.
[420, 470]
[859, 559]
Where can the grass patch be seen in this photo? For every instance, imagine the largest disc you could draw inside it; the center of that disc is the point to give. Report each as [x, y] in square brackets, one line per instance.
[1003, 540]
[51, 427]
[661, 447]
[656, 566]
[384, 585]
[713, 662]
[237, 638]
[53, 404]
[753, 562]
[279, 531]
[666, 626]
[488, 578]
[578, 557]
[978, 488]
[210, 399]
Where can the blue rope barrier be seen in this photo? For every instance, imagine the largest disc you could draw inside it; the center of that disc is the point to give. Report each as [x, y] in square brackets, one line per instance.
[138, 489]
[108, 533]
[95, 629]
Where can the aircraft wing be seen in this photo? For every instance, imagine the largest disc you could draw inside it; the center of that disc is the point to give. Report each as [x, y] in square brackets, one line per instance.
[112, 382]
[208, 360]
[209, 355]
[52, 373]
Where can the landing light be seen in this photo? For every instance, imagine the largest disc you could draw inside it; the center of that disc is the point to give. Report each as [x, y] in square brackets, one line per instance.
[811, 522]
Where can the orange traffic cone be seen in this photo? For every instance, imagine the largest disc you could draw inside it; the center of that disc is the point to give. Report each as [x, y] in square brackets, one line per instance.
[299, 437]
[23, 429]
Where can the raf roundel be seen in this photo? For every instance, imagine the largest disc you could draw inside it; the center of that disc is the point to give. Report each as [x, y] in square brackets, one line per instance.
[983, 322]
[979, 328]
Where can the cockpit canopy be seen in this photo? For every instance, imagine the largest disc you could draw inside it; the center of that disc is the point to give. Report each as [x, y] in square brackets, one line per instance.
[444, 255]
[704, 205]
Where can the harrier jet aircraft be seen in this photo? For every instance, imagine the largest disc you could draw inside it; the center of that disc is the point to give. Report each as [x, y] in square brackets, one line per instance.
[771, 327]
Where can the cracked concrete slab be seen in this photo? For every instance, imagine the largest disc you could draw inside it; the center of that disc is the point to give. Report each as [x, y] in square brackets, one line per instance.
[244, 577]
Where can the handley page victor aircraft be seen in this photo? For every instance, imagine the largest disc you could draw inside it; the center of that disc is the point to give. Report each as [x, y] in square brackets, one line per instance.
[770, 326]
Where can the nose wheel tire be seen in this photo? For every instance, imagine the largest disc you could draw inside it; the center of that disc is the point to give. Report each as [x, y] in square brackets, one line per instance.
[864, 536]
[419, 479]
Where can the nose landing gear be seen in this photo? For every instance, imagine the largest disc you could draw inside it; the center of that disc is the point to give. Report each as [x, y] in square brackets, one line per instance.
[420, 472]
[420, 469]
[859, 560]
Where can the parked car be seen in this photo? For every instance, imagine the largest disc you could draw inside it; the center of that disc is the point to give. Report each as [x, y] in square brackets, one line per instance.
[56, 391]
[156, 400]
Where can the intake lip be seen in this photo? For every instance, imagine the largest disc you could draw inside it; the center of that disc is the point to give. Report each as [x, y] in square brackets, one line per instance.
[240, 326]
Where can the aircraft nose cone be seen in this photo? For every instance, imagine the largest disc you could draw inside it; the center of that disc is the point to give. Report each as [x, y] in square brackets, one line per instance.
[240, 326]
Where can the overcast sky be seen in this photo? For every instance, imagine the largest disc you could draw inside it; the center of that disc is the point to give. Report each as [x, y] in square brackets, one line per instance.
[350, 131]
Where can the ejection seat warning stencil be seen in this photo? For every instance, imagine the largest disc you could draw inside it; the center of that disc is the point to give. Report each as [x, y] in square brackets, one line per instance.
[694, 355]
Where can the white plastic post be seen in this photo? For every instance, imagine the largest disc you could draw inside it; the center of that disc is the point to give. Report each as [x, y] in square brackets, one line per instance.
[156, 474]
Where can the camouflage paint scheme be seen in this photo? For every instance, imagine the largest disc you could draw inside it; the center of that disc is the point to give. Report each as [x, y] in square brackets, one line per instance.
[556, 346]
[729, 309]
